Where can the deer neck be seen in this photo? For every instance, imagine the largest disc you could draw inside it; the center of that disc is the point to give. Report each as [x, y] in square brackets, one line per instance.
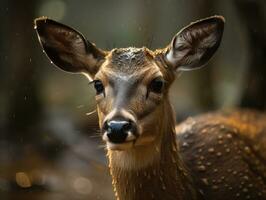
[153, 172]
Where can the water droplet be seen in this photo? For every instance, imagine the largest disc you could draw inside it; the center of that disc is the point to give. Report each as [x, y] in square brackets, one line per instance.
[234, 172]
[149, 176]
[163, 187]
[201, 168]
[215, 170]
[245, 190]
[247, 149]
[205, 181]
[208, 163]
[202, 158]
[219, 154]
[227, 150]
[237, 194]
[229, 135]
[215, 187]
[185, 144]
[250, 185]
[211, 150]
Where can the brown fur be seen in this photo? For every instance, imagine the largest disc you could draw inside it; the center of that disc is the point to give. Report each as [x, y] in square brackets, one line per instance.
[215, 156]
[225, 154]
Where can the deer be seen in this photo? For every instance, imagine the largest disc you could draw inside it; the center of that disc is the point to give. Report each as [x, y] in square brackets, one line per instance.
[218, 155]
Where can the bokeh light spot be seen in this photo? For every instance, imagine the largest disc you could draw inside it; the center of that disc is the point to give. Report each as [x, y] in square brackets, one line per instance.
[82, 185]
[23, 180]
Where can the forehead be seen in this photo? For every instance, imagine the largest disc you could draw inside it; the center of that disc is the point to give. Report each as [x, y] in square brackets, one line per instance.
[128, 61]
[131, 65]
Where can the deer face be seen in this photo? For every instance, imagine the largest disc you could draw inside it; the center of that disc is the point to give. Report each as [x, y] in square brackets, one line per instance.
[131, 83]
[130, 87]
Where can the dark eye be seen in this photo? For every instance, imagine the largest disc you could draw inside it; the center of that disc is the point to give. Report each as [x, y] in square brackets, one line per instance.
[98, 85]
[156, 85]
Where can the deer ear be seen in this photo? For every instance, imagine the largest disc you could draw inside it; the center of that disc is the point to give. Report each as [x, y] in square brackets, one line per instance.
[195, 44]
[67, 48]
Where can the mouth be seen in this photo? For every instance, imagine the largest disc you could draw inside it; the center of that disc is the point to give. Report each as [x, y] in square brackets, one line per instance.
[120, 146]
[130, 142]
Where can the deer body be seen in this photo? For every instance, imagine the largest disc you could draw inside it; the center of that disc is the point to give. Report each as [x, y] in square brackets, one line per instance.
[225, 153]
[218, 156]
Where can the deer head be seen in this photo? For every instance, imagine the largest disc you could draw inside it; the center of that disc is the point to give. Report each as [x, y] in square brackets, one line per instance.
[131, 84]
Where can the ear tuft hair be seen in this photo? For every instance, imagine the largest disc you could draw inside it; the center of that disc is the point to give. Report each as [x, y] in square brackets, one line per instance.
[194, 45]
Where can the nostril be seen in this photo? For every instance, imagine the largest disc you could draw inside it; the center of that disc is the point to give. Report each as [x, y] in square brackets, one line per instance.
[105, 126]
[127, 126]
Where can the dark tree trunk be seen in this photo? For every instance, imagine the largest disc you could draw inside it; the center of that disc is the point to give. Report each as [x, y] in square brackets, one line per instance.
[251, 13]
[21, 77]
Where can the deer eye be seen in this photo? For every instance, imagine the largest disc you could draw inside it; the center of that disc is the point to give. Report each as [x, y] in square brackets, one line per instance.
[156, 85]
[98, 85]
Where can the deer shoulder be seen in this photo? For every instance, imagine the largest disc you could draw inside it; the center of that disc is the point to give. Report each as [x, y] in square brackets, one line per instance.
[225, 151]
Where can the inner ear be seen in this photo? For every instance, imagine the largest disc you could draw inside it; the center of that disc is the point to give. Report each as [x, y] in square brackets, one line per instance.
[67, 48]
[195, 44]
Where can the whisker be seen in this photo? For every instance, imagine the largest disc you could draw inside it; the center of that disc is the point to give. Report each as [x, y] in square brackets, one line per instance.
[102, 146]
[80, 106]
[95, 136]
[90, 113]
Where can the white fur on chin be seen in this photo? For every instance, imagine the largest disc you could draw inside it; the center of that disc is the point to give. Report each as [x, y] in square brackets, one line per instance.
[132, 156]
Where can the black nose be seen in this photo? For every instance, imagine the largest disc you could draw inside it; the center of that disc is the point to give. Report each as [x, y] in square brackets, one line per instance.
[117, 131]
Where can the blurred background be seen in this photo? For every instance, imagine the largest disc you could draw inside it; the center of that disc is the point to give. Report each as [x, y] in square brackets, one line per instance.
[50, 146]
